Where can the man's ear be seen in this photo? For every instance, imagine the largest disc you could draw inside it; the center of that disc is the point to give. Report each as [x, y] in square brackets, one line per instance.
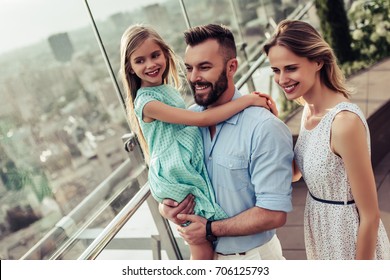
[232, 66]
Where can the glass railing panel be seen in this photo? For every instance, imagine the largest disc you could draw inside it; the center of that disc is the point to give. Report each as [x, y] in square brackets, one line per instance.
[96, 220]
[167, 19]
[64, 174]
[251, 21]
[61, 125]
[139, 239]
[163, 15]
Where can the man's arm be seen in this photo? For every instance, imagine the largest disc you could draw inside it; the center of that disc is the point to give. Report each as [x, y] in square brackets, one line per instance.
[251, 221]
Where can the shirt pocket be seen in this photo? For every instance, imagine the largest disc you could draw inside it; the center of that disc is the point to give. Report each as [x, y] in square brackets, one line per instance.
[232, 173]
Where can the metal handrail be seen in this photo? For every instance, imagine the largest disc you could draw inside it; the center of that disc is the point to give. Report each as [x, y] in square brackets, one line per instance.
[109, 232]
[163, 227]
[68, 224]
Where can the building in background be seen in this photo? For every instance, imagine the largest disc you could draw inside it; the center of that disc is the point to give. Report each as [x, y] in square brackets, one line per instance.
[61, 46]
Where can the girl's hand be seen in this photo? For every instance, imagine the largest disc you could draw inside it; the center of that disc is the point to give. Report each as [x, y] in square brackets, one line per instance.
[270, 104]
[169, 208]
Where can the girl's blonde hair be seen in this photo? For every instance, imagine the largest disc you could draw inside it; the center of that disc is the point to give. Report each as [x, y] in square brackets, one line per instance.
[304, 41]
[132, 38]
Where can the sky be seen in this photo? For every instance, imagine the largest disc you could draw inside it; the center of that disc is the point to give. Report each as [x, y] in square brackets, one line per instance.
[23, 22]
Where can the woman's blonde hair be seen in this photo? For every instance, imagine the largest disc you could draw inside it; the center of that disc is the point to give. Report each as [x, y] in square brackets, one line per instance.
[132, 38]
[304, 41]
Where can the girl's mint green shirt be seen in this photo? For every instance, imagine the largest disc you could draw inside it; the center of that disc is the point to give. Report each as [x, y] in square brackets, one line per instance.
[176, 166]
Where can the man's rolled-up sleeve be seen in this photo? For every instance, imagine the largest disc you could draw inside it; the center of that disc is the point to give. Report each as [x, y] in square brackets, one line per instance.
[271, 165]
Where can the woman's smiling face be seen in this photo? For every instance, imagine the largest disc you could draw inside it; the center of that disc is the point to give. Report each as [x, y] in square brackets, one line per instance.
[296, 75]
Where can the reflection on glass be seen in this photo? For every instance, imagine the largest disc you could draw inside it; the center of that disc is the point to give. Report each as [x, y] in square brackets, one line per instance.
[61, 125]
[251, 22]
[61, 120]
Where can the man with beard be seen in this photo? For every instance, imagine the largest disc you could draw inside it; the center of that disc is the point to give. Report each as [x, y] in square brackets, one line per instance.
[248, 158]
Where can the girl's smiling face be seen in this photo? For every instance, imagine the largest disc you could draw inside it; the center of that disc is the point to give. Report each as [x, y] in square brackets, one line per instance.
[148, 62]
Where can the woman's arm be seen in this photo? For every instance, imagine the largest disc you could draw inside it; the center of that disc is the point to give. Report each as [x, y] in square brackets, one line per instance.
[155, 110]
[296, 172]
[348, 140]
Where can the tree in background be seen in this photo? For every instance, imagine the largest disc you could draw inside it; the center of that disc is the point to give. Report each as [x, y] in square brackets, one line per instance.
[370, 24]
[335, 28]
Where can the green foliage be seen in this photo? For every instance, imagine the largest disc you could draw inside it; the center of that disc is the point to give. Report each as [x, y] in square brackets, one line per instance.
[18, 179]
[14, 179]
[335, 28]
[350, 68]
[370, 27]
[42, 186]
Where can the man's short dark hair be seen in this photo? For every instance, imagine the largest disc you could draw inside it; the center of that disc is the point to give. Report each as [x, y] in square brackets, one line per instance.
[220, 33]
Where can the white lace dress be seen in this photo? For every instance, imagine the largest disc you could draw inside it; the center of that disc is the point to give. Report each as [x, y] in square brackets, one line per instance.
[330, 229]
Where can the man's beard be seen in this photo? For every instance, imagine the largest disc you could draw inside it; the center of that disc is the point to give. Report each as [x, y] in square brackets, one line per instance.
[217, 89]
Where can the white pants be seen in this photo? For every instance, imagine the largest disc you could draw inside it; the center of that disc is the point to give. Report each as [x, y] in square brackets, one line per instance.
[272, 250]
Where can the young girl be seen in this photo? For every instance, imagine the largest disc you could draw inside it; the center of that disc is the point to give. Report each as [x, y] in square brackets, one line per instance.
[342, 218]
[167, 132]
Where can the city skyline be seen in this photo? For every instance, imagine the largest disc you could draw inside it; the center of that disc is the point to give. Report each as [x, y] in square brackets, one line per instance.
[16, 34]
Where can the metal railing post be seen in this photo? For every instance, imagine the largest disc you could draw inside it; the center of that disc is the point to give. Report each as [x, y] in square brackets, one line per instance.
[184, 10]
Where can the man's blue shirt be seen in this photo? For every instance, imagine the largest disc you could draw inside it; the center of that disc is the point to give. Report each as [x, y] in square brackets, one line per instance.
[249, 162]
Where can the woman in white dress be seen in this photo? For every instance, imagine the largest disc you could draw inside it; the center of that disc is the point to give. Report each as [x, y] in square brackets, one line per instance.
[332, 153]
